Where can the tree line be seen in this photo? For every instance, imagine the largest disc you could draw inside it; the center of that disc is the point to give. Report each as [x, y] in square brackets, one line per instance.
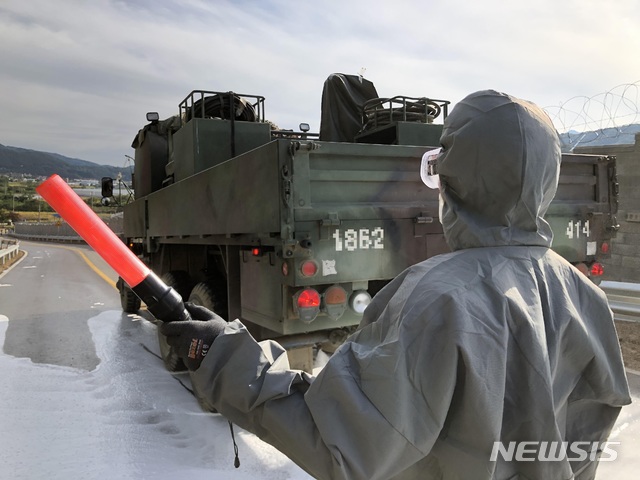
[19, 196]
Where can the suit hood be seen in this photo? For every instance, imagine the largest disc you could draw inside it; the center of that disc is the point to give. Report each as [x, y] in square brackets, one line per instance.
[498, 172]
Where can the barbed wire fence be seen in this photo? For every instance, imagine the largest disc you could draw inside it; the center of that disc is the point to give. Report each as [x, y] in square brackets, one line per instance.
[601, 117]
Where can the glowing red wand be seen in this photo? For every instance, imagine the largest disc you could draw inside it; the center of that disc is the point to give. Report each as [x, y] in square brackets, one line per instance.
[163, 301]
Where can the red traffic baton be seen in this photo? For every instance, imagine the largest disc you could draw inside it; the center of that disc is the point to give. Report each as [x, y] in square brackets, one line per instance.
[162, 301]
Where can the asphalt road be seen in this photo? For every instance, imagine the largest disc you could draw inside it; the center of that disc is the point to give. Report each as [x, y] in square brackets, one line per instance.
[84, 393]
[48, 298]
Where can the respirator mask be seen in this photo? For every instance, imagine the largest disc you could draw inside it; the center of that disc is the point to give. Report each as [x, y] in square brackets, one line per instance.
[429, 174]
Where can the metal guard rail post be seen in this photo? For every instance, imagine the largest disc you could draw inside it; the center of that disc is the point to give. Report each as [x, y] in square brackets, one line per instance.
[8, 253]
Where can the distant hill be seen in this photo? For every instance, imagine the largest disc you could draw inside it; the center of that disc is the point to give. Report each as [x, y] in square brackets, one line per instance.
[624, 135]
[44, 164]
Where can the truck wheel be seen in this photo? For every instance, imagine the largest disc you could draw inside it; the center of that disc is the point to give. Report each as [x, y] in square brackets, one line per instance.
[205, 296]
[129, 301]
[181, 282]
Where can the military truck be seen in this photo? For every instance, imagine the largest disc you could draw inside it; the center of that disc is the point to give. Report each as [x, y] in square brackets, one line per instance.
[294, 232]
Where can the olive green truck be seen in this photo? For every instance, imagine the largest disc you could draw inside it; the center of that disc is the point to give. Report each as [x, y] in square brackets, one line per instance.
[294, 232]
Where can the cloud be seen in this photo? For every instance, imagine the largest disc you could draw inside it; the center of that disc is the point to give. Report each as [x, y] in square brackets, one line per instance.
[81, 75]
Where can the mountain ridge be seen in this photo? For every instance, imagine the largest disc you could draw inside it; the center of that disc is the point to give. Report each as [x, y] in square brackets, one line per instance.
[18, 160]
[618, 135]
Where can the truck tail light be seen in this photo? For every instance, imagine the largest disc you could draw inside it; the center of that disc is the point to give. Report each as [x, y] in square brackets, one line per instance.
[604, 248]
[307, 304]
[359, 301]
[335, 301]
[597, 269]
[309, 268]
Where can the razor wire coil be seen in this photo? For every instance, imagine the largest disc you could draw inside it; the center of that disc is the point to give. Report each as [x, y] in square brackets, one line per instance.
[582, 119]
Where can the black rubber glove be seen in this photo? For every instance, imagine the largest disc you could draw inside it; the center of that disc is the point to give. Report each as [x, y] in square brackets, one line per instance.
[191, 339]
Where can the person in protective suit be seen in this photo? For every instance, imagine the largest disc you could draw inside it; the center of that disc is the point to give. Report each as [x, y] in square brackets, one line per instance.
[499, 341]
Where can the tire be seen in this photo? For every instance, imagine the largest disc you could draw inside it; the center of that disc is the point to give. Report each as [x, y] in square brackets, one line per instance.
[181, 282]
[205, 295]
[129, 301]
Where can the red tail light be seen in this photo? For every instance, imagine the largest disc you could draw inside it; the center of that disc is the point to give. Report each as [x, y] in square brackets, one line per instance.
[309, 268]
[308, 298]
[597, 269]
[307, 304]
[604, 248]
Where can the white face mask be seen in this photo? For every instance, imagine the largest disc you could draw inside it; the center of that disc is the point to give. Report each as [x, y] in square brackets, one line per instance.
[428, 168]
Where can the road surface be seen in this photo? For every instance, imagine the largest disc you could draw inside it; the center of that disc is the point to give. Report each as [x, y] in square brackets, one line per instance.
[84, 394]
[51, 296]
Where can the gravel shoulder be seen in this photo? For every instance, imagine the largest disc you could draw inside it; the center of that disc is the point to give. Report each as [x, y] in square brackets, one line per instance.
[629, 335]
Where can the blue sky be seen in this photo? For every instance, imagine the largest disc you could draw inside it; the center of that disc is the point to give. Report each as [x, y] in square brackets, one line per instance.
[78, 76]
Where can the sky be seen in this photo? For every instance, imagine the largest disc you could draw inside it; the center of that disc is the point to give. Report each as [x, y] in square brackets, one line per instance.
[78, 76]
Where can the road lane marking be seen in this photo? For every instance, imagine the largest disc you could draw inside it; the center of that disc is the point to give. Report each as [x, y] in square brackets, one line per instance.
[93, 267]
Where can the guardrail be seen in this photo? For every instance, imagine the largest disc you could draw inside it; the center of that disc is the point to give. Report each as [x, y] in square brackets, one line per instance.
[50, 238]
[8, 250]
[52, 232]
[624, 299]
[58, 231]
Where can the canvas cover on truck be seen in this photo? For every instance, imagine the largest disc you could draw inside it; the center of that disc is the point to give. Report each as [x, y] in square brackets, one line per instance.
[342, 99]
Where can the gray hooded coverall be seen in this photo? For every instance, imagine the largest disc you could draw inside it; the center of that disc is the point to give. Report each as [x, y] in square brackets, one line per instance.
[499, 341]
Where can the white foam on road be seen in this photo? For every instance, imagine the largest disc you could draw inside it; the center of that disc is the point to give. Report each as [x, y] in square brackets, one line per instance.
[127, 419]
[131, 419]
